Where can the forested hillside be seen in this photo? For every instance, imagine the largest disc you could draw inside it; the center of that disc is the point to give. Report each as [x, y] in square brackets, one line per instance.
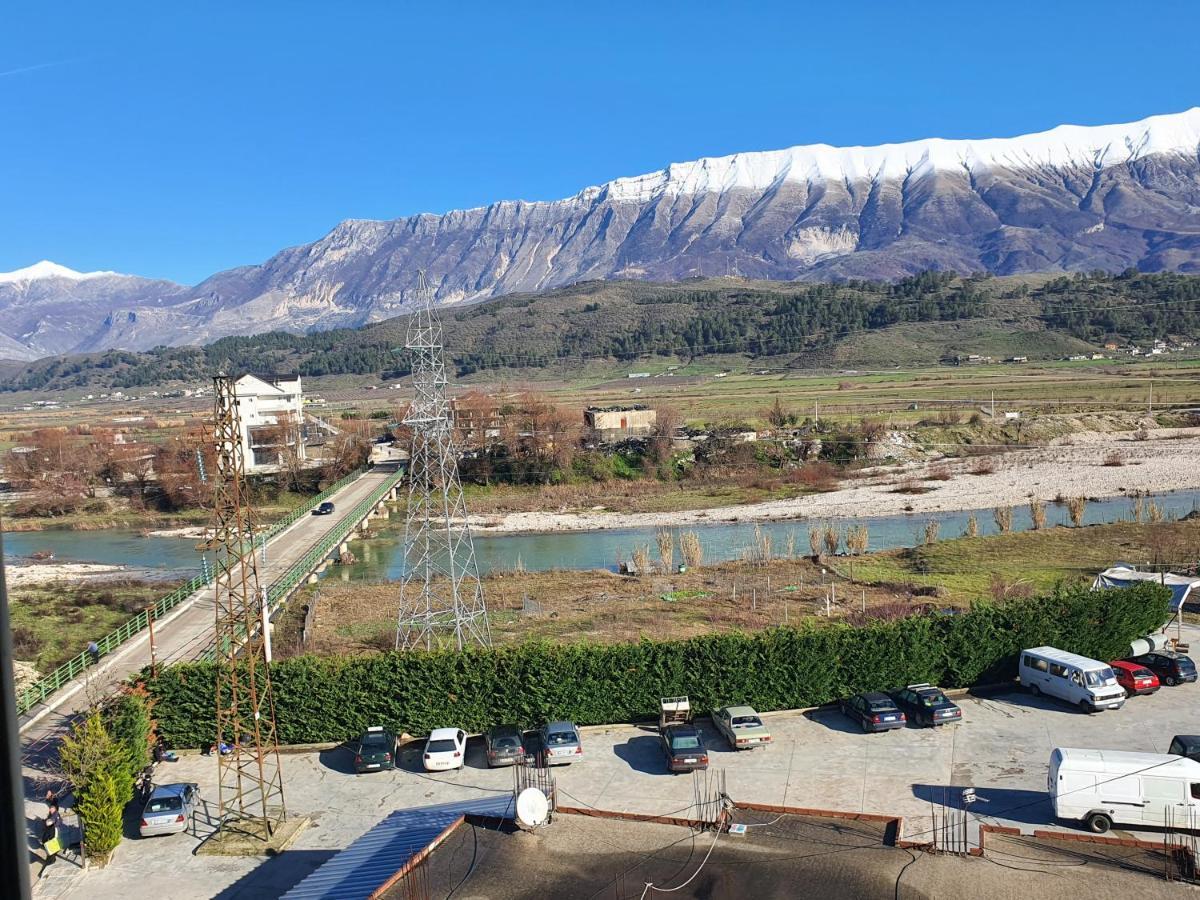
[789, 322]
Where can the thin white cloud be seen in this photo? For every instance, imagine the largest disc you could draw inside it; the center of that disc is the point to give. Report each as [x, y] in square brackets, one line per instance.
[36, 66]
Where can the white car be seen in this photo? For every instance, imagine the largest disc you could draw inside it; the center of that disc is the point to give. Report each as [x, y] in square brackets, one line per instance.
[445, 749]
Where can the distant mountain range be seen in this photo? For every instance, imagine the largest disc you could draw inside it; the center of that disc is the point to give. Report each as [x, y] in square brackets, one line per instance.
[1069, 199]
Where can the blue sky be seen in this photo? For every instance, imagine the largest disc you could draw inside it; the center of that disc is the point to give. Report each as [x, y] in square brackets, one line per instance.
[170, 142]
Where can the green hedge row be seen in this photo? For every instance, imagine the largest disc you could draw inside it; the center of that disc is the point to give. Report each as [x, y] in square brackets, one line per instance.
[327, 699]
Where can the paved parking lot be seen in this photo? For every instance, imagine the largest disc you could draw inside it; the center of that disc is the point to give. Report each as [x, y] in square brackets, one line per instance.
[818, 761]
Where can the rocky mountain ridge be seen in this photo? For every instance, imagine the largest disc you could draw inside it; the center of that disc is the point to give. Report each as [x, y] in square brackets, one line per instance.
[1069, 199]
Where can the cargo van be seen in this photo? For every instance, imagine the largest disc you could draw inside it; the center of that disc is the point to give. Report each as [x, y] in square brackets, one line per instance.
[1105, 787]
[1087, 683]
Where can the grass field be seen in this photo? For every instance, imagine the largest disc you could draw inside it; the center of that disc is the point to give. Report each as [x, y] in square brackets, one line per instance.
[1055, 387]
[968, 569]
[53, 622]
[357, 617]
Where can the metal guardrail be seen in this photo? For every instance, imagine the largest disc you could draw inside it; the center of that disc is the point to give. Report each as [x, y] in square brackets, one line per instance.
[282, 588]
[48, 684]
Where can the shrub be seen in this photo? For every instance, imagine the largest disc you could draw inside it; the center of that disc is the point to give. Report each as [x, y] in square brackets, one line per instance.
[1075, 508]
[815, 536]
[25, 642]
[324, 699]
[972, 529]
[1037, 513]
[101, 811]
[832, 537]
[641, 559]
[1113, 459]
[930, 532]
[691, 549]
[666, 549]
[1002, 515]
[983, 466]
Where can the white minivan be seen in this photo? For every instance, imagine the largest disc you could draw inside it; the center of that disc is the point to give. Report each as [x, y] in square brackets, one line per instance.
[1087, 683]
[1103, 787]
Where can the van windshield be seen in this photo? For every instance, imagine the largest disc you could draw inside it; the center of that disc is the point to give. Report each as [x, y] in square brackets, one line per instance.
[1099, 677]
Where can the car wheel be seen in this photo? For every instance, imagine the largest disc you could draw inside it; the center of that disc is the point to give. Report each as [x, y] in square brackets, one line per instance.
[1085, 707]
[1035, 690]
[1171, 681]
[1098, 823]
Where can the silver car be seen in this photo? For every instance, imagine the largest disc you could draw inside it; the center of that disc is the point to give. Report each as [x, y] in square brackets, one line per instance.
[561, 744]
[169, 809]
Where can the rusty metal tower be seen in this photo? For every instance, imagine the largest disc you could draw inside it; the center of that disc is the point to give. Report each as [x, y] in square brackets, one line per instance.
[440, 594]
[250, 792]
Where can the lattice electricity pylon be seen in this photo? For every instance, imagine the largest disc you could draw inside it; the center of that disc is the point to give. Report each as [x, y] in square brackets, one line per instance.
[440, 592]
[250, 791]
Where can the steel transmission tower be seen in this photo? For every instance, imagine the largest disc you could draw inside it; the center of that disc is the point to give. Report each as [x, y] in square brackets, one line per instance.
[250, 792]
[440, 592]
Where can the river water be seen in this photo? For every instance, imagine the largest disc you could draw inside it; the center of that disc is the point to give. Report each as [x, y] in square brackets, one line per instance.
[383, 558]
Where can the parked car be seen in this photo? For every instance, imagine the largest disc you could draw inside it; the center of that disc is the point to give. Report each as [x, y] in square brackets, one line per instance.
[445, 749]
[742, 727]
[873, 710]
[1170, 667]
[684, 748]
[1087, 683]
[169, 809]
[325, 509]
[1135, 678]
[504, 745]
[377, 750]
[927, 705]
[1185, 745]
[561, 744]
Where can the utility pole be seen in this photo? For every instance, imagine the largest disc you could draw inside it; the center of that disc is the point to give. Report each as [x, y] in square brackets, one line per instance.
[993, 406]
[150, 625]
[440, 592]
[250, 780]
[1150, 410]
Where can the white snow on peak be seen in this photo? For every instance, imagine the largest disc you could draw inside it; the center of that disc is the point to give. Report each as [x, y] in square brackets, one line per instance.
[1066, 146]
[47, 269]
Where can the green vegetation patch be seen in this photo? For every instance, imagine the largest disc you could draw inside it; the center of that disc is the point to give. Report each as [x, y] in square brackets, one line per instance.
[332, 699]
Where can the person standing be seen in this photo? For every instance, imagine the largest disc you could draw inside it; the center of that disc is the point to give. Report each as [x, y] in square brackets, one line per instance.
[93, 650]
[50, 843]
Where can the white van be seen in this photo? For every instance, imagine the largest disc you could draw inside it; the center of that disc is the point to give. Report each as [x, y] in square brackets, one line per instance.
[1103, 787]
[1087, 683]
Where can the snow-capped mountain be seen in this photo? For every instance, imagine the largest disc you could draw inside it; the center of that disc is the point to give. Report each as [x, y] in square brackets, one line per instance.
[1072, 198]
[48, 309]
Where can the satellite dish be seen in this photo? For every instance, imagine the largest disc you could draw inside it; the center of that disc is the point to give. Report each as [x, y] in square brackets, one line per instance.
[532, 808]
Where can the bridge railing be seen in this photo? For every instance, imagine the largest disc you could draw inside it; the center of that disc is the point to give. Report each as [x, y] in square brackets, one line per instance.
[53, 681]
[282, 588]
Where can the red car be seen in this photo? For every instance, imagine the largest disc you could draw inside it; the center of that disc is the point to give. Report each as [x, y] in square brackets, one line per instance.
[1135, 678]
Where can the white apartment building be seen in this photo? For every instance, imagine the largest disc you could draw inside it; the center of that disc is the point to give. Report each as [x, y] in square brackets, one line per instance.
[271, 409]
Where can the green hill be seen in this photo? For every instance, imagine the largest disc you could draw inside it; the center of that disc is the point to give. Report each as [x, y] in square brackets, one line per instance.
[597, 325]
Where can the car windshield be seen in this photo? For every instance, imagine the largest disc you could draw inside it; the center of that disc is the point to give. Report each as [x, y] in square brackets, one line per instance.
[880, 705]
[560, 737]
[1099, 677]
[747, 722]
[443, 746]
[1142, 673]
[164, 804]
[505, 743]
[374, 741]
[685, 742]
[1186, 664]
[932, 700]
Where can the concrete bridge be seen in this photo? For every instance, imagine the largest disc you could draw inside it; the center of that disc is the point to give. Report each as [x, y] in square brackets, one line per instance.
[295, 556]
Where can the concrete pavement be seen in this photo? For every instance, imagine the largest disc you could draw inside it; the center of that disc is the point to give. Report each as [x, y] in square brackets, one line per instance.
[818, 761]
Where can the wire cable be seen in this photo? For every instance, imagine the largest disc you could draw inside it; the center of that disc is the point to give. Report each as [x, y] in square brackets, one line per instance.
[650, 885]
